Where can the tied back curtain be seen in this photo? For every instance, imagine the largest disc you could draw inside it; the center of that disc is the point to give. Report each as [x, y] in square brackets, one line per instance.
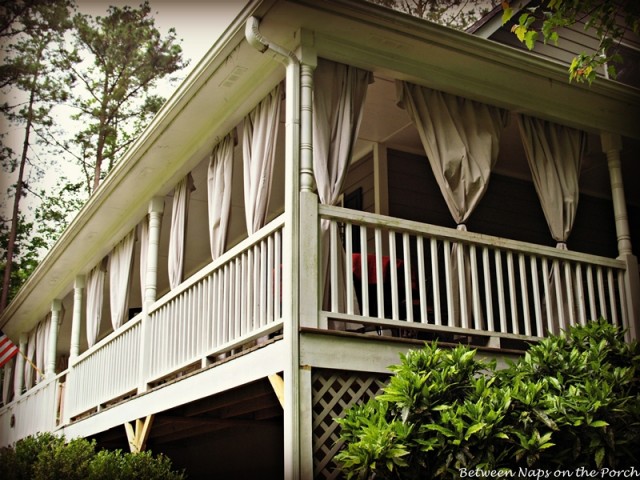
[258, 152]
[178, 233]
[7, 380]
[29, 371]
[120, 262]
[339, 95]
[461, 139]
[219, 179]
[42, 345]
[95, 297]
[554, 153]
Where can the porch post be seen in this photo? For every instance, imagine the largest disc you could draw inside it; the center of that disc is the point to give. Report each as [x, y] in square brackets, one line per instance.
[611, 146]
[50, 367]
[19, 373]
[156, 208]
[308, 243]
[76, 321]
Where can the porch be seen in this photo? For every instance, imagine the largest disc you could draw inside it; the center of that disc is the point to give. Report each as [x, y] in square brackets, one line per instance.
[236, 285]
[419, 281]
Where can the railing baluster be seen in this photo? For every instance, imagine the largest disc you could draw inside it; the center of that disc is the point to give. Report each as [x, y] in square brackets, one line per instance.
[623, 306]
[422, 280]
[435, 275]
[568, 278]
[333, 265]
[448, 282]
[462, 285]
[612, 298]
[271, 268]
[486, 267]
[379, 273]
[601, 295]
[512, 293]
[395, 310]
[278, 279]
[537, 305]
[557, 284]
[582, 315]
[364, 273]
[475, 286]
[408, 294]
[524, 294]
[592, 294]
[502, 307]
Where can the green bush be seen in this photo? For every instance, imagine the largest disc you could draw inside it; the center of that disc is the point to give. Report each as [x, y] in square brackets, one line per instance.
[571, 401]
[49, 457]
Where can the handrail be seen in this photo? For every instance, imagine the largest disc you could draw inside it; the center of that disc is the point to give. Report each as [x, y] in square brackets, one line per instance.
[445, 233]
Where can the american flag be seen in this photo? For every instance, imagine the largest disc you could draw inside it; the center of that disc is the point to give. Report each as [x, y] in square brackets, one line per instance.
[7, 349]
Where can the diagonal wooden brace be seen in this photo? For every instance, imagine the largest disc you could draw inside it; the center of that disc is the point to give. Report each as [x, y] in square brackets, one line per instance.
[138, 438]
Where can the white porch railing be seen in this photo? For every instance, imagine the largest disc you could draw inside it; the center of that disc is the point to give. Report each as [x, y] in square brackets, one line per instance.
[232, 301]
[107, 371]
[461, 281]
[34, 411]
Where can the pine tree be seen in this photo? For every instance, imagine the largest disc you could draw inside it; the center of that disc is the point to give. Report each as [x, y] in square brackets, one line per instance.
[33, 32]
[128, 56]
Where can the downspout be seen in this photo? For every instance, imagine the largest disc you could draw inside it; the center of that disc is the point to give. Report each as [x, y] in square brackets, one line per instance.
[291, 276]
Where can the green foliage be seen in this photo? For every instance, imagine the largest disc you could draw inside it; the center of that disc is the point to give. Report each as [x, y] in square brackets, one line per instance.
[124, 57]
[610, 19]
[48, 457]
[458, 14]
[572, 400]
[26, 253]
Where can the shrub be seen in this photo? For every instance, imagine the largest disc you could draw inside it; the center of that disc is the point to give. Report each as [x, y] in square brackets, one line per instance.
[49, 457]
[571, 401]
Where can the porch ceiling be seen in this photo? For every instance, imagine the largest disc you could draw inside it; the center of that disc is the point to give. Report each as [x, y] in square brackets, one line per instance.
[233, 77]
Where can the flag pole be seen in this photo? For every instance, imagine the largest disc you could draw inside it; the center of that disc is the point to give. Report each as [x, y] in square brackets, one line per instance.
[31, 363]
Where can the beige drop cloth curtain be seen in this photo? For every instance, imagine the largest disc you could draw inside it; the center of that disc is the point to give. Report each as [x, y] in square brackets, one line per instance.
[258, 154]
[120, 263]
[178, 233]
[339, 95]
[554, 153]
[95, 297]
[219, 179]
[7, 380]
[461, 139]
[42, 345]
[29, 371]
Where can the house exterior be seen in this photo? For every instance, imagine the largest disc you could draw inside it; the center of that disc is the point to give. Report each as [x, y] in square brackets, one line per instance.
[333, 184]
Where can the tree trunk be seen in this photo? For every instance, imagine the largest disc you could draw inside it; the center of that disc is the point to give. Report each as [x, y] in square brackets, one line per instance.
[13, 233]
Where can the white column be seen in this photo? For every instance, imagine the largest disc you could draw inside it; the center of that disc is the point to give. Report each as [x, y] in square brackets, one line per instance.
[611, 146]
[50, 367]
[156, 208]
[19, 373]
[76, 321]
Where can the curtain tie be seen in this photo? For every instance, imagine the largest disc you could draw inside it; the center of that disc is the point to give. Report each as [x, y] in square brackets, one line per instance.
[561, 246]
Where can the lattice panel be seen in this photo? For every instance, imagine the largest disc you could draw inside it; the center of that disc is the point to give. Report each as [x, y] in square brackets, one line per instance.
[334, 392]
